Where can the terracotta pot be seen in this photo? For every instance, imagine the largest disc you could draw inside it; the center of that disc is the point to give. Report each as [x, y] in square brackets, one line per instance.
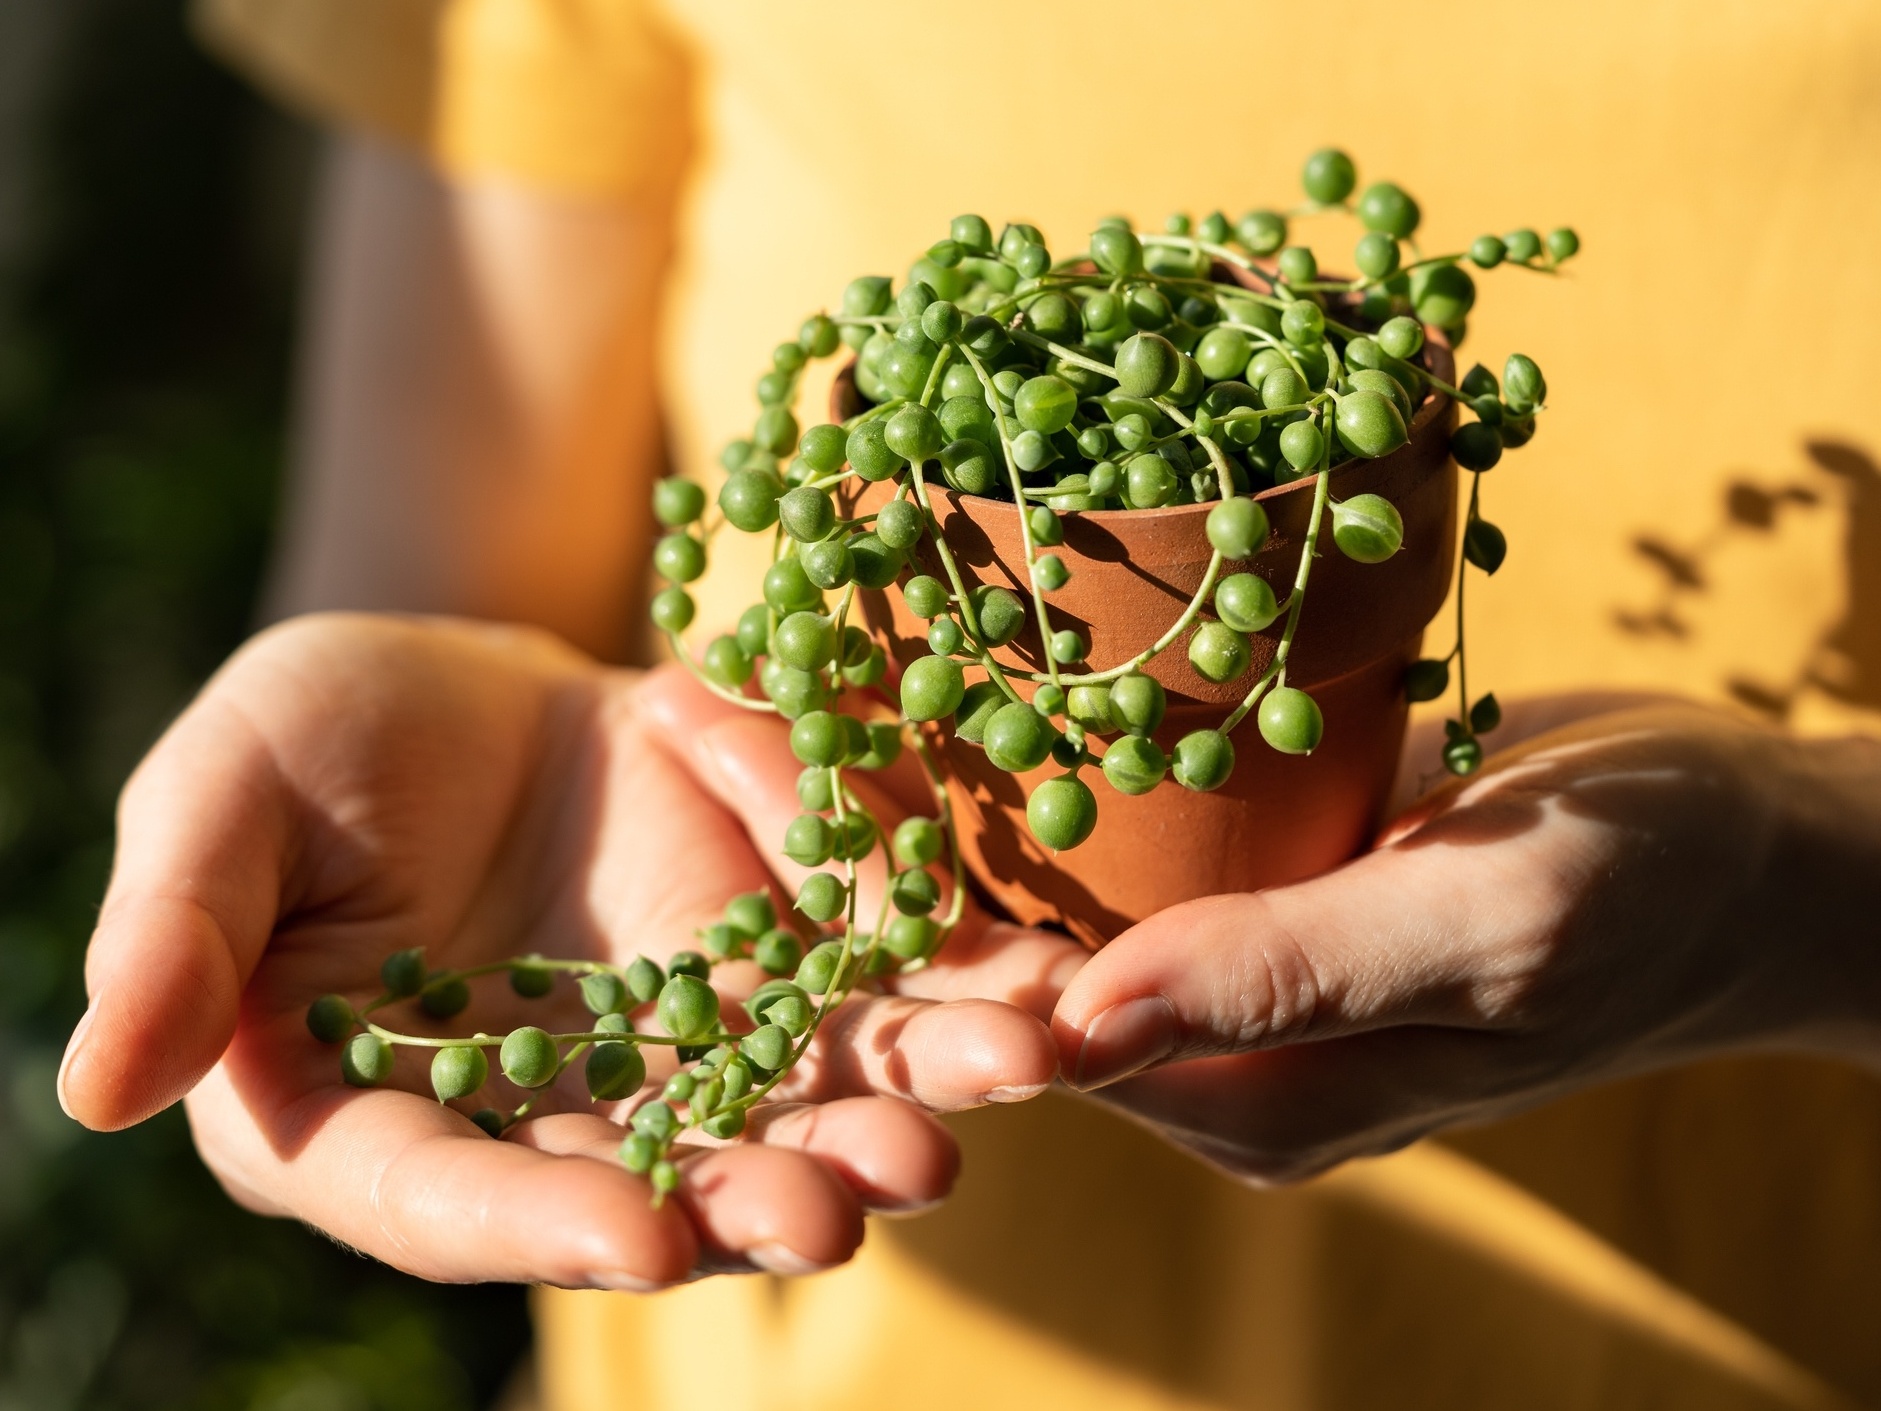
[1279, 818]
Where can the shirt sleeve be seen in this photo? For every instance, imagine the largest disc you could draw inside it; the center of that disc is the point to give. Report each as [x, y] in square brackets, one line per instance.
[583, 96]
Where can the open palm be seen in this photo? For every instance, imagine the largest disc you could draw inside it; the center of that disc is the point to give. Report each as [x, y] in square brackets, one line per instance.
[349, 787]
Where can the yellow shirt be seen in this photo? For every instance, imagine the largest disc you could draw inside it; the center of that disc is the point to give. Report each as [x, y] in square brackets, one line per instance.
[1701, 512]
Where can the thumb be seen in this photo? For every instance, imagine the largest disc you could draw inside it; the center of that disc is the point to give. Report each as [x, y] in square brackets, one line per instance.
[195, 890]
[743, 760]
[1399, 936]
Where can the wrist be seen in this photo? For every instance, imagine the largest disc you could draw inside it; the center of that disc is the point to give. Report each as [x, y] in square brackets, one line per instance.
[1820, 885]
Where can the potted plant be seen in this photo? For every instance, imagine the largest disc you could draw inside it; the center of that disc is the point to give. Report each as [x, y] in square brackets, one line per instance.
[1163, 521]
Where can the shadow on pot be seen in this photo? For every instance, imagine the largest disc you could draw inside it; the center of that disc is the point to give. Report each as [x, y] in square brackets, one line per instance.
[1013, 860]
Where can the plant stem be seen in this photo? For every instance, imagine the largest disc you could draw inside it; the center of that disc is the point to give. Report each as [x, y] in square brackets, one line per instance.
[587, 1036]
[1462, 577]
[1025, 524]
[968, 616]
[1277, 668]
[738, 699]
[1224, 253]
[957, 905]
[835, 992]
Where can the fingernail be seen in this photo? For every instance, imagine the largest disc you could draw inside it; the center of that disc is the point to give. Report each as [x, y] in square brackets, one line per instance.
[1015, 1093]
[1125, 1039]
[617, 1282]
[73, 1047]
[775, 1258]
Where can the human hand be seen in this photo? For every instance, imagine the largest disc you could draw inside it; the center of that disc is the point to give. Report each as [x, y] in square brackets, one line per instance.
[347, 787]
[1629, 892]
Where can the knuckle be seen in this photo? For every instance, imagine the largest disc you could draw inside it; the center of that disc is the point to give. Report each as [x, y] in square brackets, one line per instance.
[1293, 985]
[1272, 992]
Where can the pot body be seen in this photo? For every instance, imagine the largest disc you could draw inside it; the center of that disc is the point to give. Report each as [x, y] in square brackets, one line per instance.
[1279, 818]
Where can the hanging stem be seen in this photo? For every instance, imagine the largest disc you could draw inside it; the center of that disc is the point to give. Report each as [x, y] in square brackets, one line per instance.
[1462, 577]
[937, 786]
[1025, 524]
[969, 618]
[1277, 669]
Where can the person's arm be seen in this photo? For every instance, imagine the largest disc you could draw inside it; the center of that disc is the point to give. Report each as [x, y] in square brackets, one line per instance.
[476, 426]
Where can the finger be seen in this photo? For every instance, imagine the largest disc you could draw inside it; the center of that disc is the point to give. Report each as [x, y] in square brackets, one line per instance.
[894, 1156]
[778, 1210]
[753, 1204]
[669, 855]
[416, 1185]
[946, 1057]
[745, 763]
[897, 1158]
[743, 759]
[203, 834]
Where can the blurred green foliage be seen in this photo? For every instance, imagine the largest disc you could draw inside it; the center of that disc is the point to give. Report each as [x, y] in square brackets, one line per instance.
[142, 378]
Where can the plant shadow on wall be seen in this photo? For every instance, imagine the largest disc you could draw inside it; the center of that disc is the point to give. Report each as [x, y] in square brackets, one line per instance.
[1844, 664]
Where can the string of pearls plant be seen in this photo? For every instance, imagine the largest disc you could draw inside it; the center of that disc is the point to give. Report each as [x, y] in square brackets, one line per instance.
[1128, 375]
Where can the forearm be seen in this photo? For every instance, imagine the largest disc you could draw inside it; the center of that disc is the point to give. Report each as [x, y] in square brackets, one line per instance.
[477, 419]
